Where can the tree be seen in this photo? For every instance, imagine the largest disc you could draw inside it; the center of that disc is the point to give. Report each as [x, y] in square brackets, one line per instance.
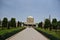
[40, 24]
[13, 22]
[58, 24]
[47, 23]
[54, 23]
[5, 22]
[0, 23]
[18, 24]
[9, 24]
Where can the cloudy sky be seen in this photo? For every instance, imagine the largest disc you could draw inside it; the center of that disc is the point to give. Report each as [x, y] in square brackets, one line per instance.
[21, 9]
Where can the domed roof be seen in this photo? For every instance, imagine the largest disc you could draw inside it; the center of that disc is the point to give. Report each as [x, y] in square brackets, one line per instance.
[29, 17]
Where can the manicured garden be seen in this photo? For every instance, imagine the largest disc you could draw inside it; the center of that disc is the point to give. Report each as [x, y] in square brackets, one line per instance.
[52, 35]
[5, 33]
[9, 27]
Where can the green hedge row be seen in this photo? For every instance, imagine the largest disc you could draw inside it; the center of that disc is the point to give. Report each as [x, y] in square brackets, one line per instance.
[4, 35]
[51, 37]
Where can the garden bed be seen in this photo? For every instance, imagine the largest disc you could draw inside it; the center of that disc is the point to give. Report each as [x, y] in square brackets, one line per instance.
[49, 34]
[5, 33]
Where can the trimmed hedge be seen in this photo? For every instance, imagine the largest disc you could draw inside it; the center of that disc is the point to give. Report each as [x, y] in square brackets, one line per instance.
[8, 34]
[51, 37]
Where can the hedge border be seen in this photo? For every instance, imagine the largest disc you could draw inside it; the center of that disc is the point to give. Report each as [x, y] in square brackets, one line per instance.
[51, 37]
[7, 35]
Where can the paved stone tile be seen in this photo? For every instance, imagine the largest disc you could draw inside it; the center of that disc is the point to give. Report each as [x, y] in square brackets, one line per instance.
[28, 34]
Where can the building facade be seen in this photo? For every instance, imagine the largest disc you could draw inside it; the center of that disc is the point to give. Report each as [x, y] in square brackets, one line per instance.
[30, 22]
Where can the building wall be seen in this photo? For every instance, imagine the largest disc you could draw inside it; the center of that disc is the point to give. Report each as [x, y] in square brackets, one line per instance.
[30, 20]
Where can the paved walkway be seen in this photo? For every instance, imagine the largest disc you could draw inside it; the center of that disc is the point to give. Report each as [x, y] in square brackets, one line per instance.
[28, 34]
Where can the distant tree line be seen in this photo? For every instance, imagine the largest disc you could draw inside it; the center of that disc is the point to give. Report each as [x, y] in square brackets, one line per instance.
[19, 24]
[9, 24]
[48, 24]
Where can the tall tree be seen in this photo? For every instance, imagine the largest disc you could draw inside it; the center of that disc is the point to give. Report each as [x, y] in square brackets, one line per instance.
[5, 22]
[47, 23]
[18, 24]
[40, 24]
[58, 24]
[0, 23]
[9, 24]
[54, 23]
[13, 22]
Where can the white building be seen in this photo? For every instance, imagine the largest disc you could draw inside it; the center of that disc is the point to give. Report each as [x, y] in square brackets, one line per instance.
[30, 22]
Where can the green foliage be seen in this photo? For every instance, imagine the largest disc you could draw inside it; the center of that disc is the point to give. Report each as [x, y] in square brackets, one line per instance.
[40, 24]
[47, 23]
[5, 22]
[9, 24]
[58, 24]
[54, 23]
[0, 23]
[19, 24]
[13, 22]
[5, 33]
[52, 35]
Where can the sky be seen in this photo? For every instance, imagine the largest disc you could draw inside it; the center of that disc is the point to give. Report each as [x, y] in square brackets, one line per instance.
[21, 9]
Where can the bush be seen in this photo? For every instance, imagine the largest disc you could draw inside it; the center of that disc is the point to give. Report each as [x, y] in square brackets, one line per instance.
[51, 35]
[9, 32]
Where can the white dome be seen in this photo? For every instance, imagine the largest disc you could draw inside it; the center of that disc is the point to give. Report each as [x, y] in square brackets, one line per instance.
[30, 17]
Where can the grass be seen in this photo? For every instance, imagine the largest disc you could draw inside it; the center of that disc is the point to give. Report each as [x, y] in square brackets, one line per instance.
[52, 35]
[5, 33]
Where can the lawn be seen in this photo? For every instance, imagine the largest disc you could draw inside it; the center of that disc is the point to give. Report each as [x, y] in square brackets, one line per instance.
[5, 33]
[50, 34]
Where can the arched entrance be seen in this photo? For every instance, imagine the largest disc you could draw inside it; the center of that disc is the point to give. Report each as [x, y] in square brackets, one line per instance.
[30, 25]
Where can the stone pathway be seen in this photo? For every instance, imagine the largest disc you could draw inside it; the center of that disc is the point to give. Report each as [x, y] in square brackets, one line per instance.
[28, 34]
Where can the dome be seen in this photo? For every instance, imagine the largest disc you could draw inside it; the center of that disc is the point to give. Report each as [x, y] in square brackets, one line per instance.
[29, 17]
